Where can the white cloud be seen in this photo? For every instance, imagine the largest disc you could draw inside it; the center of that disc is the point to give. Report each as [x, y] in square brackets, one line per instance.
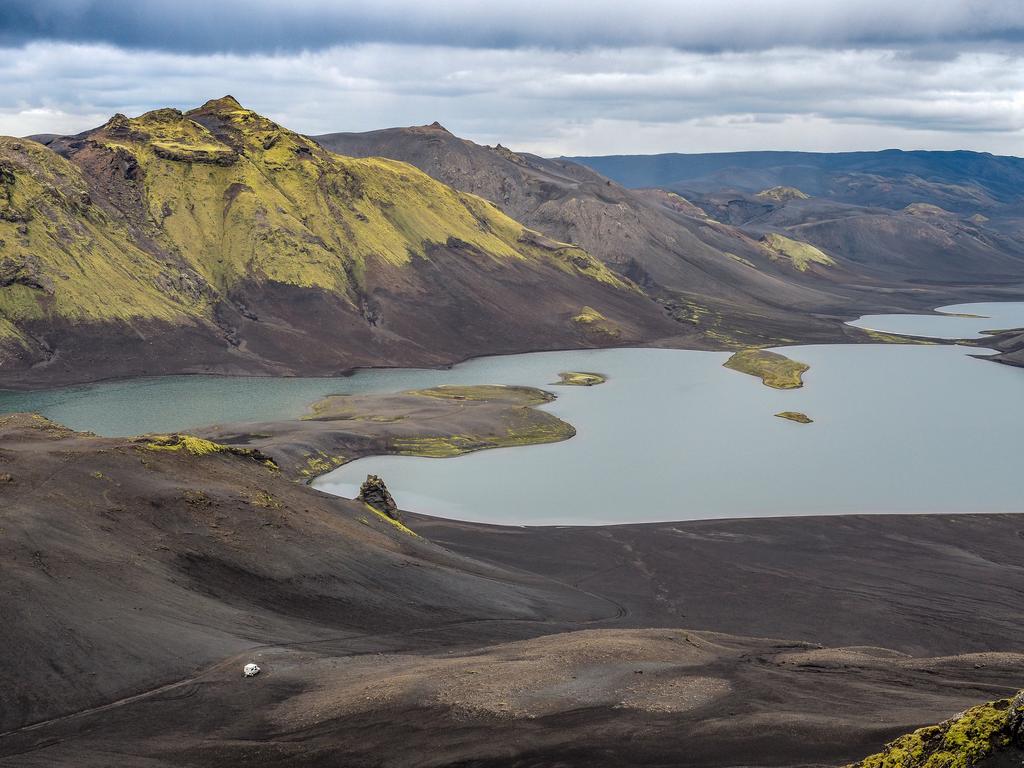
[596, 100]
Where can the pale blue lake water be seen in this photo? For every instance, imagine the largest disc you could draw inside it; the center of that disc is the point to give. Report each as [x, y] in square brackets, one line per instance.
[673, 435]
[994, 316]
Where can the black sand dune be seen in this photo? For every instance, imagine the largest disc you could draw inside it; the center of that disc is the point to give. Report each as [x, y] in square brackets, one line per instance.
[138, 581]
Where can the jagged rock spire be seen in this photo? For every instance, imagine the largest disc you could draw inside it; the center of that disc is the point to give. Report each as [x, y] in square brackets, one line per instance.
[375, 493]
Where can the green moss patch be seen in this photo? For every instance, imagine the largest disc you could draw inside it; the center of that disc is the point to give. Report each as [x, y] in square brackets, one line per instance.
[491, 393]
[774, 370]
[797, 416]
[389, 520]
[781, 194]
[581, 379]
[520, 429]
[964, 741]
[198, 446]
[593, 323]
[320, 463]
[798, 253]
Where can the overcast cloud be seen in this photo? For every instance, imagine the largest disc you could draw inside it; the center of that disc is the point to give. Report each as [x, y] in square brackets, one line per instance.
[551, 77]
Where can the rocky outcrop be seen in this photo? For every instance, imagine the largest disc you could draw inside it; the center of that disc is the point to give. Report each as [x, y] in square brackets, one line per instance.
[24, 270]
[185, 283]
[7, 178]
[1015, 721]
[374, 492]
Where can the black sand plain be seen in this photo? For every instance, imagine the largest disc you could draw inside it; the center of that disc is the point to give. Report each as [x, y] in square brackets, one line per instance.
[138, 581]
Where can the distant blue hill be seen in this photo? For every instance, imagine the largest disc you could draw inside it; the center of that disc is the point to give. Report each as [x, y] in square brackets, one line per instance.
[960, 180]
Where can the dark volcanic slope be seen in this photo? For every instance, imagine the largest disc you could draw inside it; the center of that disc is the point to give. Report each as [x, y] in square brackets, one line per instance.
[710, 274]
[590, 698]
[921, 244]
[708, 262]
[676, 249]
[219, 241]
[1011, 347]
[126, 567]
[138, 580]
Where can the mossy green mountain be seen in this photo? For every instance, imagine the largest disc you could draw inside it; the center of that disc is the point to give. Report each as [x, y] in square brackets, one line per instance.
[215, 239]
[61, 254]
[990, 734]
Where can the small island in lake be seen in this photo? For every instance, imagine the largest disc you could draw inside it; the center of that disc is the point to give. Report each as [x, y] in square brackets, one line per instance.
[799, 418]
[581, 379]
[774, 370]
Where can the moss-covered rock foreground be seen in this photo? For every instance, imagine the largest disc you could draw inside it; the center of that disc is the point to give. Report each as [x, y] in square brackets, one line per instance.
[990, 734]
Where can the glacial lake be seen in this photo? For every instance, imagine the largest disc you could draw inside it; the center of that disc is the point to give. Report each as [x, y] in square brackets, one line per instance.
[672, 435]
[957, 321]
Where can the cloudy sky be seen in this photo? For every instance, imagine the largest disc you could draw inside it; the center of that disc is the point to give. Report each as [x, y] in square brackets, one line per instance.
[549, 76]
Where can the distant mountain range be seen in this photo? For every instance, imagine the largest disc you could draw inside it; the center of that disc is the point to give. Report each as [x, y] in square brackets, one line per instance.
[921, 217]
[216, 240]
[963, 182]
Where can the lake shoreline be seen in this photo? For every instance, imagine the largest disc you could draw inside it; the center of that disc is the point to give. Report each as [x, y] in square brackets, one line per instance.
[442, 422]
[844, 333]
[718, 409]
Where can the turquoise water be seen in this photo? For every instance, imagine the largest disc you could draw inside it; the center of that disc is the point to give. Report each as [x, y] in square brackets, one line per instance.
[673, 435]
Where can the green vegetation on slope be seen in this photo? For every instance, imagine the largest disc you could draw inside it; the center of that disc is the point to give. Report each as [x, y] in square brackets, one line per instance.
[781, 194]
[494, 393]
[245, 197]
[390, 520]
[319, 463]
[190, 205]
[519, 425]
[593, 323]
[969, 739]
[798, 253]
[774, 370]
[926, 209]
[63, 255]
[200, 446]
